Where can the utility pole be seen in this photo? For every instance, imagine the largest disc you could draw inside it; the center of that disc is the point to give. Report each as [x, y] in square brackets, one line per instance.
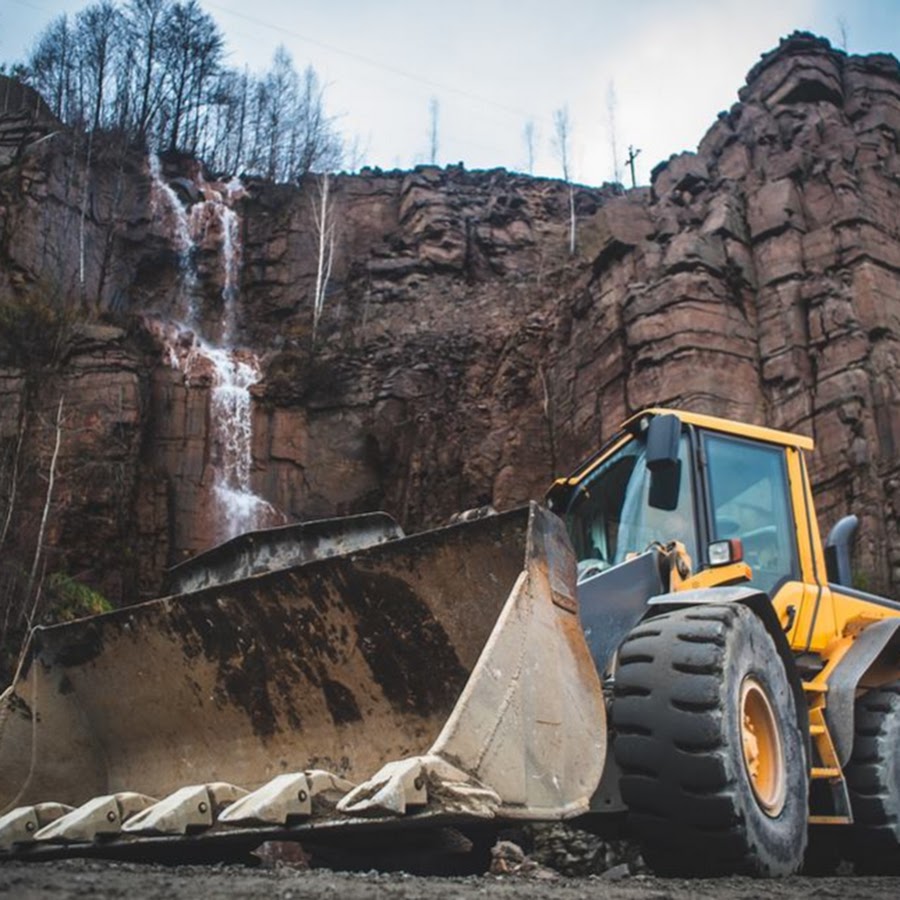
[632, 156]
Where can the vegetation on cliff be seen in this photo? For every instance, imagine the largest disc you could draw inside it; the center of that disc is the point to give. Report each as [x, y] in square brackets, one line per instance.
[155, 71]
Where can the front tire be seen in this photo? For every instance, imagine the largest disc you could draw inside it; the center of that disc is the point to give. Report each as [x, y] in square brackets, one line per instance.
[873, 779]
[705, 731]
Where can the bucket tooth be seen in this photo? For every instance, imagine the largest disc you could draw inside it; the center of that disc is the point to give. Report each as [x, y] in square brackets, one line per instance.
[412, 782]
[326, 789]
[189, 809]
[98, 818]
[20, 825]
[292, 796]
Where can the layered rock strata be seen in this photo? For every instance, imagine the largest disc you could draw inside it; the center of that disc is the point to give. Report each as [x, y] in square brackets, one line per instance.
[462, 355]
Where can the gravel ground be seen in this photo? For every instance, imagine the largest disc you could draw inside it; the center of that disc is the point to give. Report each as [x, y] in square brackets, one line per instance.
[91, 878]
[562, 863]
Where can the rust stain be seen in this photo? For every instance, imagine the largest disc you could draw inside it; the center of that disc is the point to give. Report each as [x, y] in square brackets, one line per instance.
[342, 704]
[407, 650]
[347, 630]
[84, 644]
[19, 707]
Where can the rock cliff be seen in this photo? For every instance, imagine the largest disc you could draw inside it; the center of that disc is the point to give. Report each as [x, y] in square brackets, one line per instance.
[462, 356]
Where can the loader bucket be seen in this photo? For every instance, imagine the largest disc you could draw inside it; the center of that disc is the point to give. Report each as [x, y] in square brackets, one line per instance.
[255, 552]
[455, 655]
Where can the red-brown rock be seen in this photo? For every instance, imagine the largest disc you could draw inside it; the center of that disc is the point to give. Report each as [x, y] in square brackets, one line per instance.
[463, 357]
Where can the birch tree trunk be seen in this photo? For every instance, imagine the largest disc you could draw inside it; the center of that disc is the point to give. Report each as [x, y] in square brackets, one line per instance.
[324, 217]
[48, 501]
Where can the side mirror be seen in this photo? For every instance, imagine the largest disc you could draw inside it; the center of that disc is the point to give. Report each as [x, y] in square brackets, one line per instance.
[837, 551]
[663, 436]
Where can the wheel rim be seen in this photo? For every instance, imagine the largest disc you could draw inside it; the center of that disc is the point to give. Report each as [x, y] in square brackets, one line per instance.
[762, 751]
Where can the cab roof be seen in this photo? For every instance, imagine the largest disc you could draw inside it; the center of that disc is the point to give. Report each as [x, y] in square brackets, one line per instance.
[712, 423]
[728, 426]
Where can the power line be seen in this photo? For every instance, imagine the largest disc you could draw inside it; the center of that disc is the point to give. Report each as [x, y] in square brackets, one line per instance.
[358, 57]
[420, 82]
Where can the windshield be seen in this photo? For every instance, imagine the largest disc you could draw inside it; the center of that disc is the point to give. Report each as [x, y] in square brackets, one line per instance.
[610, 516]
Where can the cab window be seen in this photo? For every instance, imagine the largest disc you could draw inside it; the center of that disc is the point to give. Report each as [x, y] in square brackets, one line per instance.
[750, 499]
[611, 518]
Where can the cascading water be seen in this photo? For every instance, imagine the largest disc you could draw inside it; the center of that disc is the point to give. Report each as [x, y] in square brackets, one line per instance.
[165, 207]
[233, 371]
[212, 222]
[231, 408]
[164, 204]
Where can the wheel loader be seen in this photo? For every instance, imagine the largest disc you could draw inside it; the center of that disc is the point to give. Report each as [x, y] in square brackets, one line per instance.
[663, 647]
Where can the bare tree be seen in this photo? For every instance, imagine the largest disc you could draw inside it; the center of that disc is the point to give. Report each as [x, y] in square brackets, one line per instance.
[208, 51]
[154, 69]
[354, 154]
[95, 30]
[289, 133]
[434, 109]
[14, 476]
[612, 103]
[281, 94]
[192, 51]
[633, 153]
[50, 66]
[238, 103]
[123, 92]
[45, 515]
[323, 213]
[562, 141]
[321, 149]
[144, 30]
[529, 136]
[844, 32]
[225, 138]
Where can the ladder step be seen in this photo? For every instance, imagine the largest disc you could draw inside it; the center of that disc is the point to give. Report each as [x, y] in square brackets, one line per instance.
[825, 772]
[814, 687]
[830, 820]
[816, 730]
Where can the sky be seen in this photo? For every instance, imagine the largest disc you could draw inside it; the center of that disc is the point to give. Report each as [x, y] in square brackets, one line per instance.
[647, 74]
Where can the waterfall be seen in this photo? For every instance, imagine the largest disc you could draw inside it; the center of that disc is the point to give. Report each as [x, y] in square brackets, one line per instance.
[231, 408]
[232, 371]
[212, 220]
[164, 204]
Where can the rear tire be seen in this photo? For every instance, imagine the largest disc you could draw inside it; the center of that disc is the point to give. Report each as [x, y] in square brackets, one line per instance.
[873, 779]
[705, 731]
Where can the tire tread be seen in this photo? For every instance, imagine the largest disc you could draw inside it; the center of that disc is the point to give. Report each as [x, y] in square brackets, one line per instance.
[873, 781]
[675, 776]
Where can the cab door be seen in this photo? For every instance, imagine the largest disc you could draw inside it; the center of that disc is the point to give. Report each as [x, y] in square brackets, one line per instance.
[748, 496]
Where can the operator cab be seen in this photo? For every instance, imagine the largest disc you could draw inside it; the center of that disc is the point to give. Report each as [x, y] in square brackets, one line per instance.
[668, 480]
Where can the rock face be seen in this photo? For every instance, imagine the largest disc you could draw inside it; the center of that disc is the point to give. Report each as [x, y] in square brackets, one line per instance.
[462, 356]
[765, 286]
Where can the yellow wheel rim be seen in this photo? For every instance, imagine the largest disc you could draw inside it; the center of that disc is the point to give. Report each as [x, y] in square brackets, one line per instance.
[761, 745]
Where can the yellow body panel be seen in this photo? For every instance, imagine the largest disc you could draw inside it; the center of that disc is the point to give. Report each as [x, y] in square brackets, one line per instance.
[728, 426]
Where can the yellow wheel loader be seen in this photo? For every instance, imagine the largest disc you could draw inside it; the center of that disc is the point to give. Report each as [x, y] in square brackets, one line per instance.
[665, 646]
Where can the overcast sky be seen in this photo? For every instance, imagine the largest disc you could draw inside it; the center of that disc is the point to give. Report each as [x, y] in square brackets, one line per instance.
[492, 66]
